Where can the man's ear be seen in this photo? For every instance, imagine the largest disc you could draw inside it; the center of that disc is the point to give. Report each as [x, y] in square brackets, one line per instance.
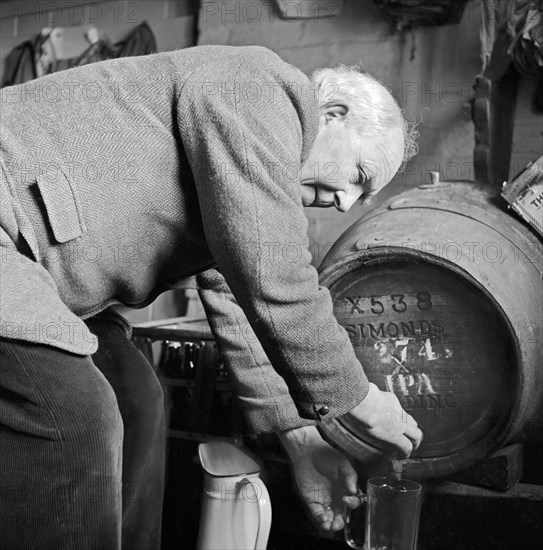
[334, 111]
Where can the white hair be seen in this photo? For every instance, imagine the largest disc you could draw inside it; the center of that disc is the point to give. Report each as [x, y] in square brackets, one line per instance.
[372, 109]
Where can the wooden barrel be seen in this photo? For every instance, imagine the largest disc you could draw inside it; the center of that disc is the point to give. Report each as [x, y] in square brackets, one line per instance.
[441, 293]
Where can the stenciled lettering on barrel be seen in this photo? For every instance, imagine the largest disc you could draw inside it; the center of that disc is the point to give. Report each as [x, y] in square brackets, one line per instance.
[433, 341]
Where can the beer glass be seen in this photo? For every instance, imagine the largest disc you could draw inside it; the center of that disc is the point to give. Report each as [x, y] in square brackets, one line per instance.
[388, 518]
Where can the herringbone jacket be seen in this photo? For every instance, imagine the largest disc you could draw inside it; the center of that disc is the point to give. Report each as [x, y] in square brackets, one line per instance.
[128, 177]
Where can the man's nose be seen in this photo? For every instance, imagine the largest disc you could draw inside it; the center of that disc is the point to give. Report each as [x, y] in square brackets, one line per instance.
[343, 201]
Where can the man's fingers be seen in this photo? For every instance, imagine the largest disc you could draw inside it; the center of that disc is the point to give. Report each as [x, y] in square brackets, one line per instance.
[404, 447]
[414, 434]
[323, 515]
[411, 430]
[410, 420]
[349, 476]
[380, 420]
[338, 522]
[330, 518]
[352, 502]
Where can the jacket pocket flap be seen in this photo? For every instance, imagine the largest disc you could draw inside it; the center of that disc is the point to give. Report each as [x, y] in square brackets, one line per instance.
[62, 205]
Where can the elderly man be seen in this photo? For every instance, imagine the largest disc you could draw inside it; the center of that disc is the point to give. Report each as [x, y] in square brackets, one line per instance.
[190, 168]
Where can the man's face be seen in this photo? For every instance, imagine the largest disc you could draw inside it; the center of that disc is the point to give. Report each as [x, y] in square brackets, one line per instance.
[342, 165]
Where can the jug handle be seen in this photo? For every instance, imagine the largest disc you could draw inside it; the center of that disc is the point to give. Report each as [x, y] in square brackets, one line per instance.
[264, 511]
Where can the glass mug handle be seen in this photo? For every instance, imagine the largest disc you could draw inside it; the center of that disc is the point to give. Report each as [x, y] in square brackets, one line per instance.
[354, 536]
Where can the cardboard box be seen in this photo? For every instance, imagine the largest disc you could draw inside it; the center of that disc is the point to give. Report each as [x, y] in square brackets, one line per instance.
[525, 194]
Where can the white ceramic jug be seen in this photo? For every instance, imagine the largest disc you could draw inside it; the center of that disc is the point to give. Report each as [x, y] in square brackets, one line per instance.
[236, 507]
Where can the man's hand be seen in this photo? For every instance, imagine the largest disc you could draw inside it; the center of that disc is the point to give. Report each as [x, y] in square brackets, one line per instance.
[323, 475]
[381, 421]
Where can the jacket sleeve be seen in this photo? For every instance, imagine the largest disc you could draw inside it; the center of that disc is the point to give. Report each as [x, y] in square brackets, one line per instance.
[263, 394]
[244, 148]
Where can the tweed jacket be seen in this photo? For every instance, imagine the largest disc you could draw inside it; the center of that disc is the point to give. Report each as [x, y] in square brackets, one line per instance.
[128, 177]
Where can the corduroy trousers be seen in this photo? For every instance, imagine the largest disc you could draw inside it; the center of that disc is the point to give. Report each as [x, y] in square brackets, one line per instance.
[82, 446]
